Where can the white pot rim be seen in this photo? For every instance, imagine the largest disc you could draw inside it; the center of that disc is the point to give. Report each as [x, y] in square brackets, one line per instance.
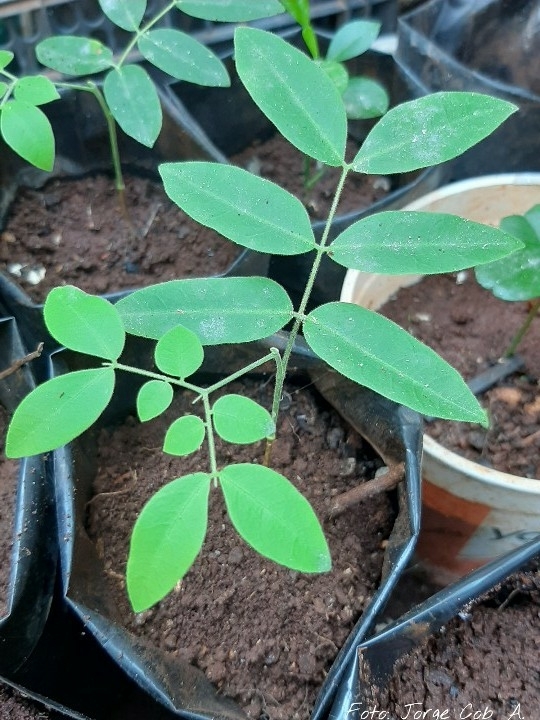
[474, 470]
[461, 186]
[437, 452]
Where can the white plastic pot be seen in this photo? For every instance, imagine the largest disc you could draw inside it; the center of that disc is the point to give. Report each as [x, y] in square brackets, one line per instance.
[471, 514]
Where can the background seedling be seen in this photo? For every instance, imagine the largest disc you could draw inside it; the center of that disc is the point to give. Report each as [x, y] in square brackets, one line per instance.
[186, 316]
[517, 278]
[126, 93]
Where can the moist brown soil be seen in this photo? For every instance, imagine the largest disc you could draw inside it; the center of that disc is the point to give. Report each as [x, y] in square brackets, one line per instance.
[277, 160]
[471, 329]
[265, 635]
[74, 231]
[8, 485]
[15, 706]
[73, 228]
[484, 661]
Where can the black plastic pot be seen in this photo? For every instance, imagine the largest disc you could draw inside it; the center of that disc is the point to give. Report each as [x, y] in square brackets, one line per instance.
[488, 47]
[378, 656]
[136, 680]
[232, 122]
[33, 556]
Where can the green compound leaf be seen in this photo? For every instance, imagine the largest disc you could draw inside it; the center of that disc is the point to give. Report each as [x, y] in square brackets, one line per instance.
[153, 398]
[247, 209]
[3, 88]
[179, 352]
[127, 14]
[401, 242]
[364, 99]
[430, 130]
[27, 131]
[134, 102]
[58, 411]
[230, 10]
[183, 57]
[375, 352]
[73, 55]
[184, 436]
[353, 39]
[83, 322]
[274, 518]
[6, 56]
[217, 310]
[166, 539]
[516, 277]
[241, 420]
[35, 90]
[296, 95]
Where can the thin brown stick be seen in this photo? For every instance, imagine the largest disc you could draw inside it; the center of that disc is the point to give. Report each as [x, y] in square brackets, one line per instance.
[22, 361]
[382, 483]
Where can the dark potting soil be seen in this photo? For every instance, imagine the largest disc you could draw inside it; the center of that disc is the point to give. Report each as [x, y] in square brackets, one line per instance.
[8, 488]
[483, 665]
[14, 706]
[471, 329]
[277, 160]
[74, 231]
[263, 634]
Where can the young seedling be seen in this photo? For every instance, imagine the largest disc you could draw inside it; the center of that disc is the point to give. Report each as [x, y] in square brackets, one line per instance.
[126, 93]
[517, 278]
[186, 316]
[363, 97]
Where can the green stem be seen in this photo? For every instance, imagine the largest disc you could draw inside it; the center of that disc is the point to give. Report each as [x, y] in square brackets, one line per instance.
[272, 355]
[143, 30]
[210, 439]
[300, 314]
[156, 376]
[518, 337]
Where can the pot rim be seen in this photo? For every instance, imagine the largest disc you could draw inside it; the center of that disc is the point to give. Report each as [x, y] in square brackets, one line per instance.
[431, 447]
[482, 181]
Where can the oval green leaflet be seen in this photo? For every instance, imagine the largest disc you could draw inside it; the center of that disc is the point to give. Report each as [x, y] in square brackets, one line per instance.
[166, 539]
[239, 419]
[274, 518]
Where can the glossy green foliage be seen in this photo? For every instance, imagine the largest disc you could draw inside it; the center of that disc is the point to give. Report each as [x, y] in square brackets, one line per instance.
[73, 55]
[247, 209]
[274, 518]
[154, 397]
[35, 90]
[179, 352]
[184, 436]
[59, 411]
[429, 131]
[364, 98]
[217, 310]
[230, 10]
[516, 277]
[27, 131]
[402, 242]
[352, 39]
[127, 14]
[238, 419]
[24, 127]
[124, 88]
[182, 57]
[84, 322]
[166, 539]
[300, 96]
[373, 351]
[297, 95]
